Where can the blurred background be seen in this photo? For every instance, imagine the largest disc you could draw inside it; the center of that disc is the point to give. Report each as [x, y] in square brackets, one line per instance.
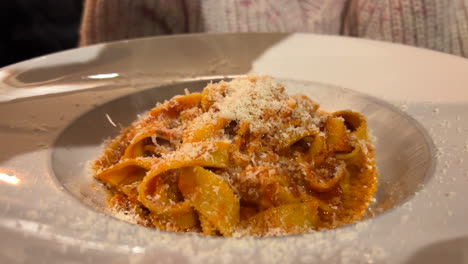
[31, 28]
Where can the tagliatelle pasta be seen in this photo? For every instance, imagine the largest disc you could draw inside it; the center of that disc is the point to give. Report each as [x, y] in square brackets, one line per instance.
[242, 158]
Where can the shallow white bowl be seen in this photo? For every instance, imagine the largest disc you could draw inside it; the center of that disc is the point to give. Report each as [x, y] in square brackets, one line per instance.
[52, 120]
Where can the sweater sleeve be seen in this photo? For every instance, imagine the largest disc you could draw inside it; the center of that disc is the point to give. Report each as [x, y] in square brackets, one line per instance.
[110, 20]
[434, 24]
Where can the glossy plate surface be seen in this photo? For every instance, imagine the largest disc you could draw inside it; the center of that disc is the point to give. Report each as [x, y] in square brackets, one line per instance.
[54, 114]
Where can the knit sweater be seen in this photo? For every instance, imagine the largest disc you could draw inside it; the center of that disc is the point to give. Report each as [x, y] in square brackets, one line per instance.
[435, 24]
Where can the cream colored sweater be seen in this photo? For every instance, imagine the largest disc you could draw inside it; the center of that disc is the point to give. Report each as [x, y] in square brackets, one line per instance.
[435, 24]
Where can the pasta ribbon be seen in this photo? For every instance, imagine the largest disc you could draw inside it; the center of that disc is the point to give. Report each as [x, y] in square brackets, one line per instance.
[179, 218]
[325, 176]
[290, 218]
[355, 122]
[114, 149]
[295, 138]
[353, 158]
[155, 194]
[212, 198]
[211, 93]
[337, 141]
[125, 172]
[177, 104]
[205, 154]
[318, 149]
[272, 188]
[207, 227]
[208, 130]
[239, 144]
[137, 146]
[241, 136]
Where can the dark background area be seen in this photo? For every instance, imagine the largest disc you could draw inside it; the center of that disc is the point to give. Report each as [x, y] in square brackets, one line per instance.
[31, 28]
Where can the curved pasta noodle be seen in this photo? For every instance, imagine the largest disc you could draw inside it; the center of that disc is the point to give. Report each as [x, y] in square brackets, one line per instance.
[205, 154]
[358, 135]
[208, 130]
[153, 192]
[290, 218]
[125, 172]
[212, 197]
[137, 146]
[326, 177]
[114, 150]
[337, 141]
[355, 121]
[176, 105]
[274, 189]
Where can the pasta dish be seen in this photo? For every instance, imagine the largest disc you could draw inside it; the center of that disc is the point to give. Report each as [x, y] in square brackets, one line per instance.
[241, 158]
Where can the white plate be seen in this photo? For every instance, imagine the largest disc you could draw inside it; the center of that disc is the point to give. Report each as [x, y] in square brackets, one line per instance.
[42, 220]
